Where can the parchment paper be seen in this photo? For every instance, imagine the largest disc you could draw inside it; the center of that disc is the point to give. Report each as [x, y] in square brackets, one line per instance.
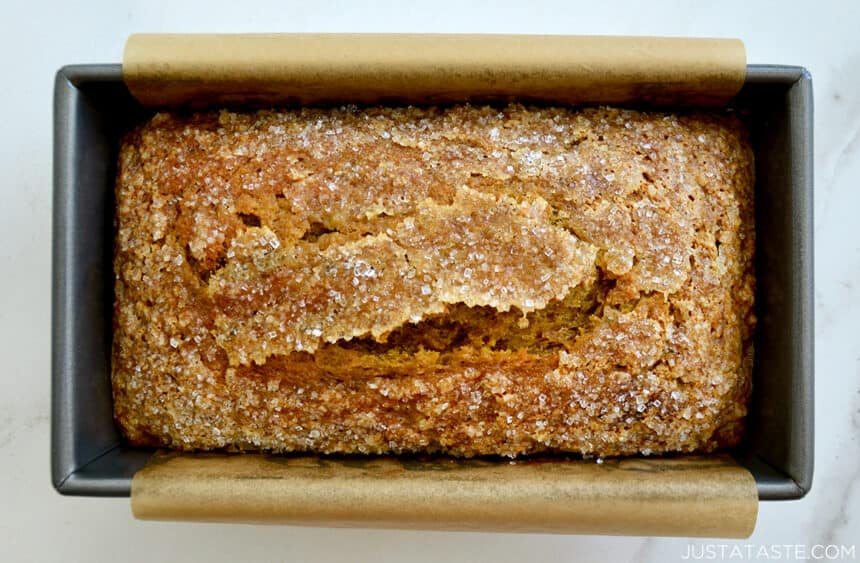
[684, 496]
[690, 496]
[273, 69]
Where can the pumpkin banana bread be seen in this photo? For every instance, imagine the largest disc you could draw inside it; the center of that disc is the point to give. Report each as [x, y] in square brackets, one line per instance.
[462, 280]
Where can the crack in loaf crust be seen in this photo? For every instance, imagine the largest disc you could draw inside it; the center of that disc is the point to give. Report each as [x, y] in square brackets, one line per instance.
[466, 280]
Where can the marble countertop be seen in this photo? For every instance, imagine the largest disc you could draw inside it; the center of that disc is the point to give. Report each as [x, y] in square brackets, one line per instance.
[38, 37]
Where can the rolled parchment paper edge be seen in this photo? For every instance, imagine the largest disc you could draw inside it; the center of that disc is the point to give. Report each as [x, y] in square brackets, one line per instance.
[309, 69]
[691, 496]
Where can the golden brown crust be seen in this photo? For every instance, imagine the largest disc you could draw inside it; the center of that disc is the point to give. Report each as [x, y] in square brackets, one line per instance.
[466, 280]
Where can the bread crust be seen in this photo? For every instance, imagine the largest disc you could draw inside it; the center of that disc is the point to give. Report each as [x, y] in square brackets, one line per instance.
[461, 280]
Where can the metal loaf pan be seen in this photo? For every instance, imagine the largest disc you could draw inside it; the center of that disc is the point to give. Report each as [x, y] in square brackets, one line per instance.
[93, 108]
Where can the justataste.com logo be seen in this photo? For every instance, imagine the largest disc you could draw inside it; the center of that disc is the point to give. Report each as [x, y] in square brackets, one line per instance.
[768, 552]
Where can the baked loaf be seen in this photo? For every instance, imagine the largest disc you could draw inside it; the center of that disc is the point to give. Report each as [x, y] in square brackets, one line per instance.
[464, 280]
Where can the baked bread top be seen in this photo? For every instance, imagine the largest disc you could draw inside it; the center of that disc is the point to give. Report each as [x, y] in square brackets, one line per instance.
[466, 280]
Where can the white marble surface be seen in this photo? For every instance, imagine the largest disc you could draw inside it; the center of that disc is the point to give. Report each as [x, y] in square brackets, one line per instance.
[38, 37]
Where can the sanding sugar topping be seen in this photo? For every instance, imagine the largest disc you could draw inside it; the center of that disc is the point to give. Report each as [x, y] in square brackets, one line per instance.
[465, 280]
[480, 250]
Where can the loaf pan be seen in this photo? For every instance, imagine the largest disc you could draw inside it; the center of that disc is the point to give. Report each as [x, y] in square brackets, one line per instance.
[93, 108]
